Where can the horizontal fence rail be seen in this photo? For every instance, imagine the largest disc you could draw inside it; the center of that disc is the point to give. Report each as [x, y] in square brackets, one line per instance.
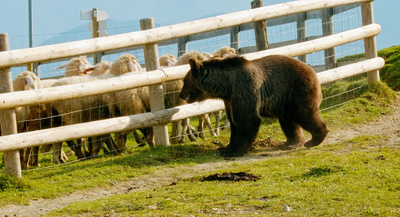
[134, 80]
[71, 49]
[64, 133]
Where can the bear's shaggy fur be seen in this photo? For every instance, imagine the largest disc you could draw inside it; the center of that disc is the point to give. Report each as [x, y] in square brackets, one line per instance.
[272, 86]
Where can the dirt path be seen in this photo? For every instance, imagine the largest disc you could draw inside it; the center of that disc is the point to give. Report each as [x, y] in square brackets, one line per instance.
[388, 125]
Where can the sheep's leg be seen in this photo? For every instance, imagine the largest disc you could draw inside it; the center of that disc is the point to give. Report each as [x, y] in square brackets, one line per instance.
[24, 157]
[139, 140]
[120, 140]
[35, 157]
[76, 148]
[217, 120]
[201, 126]
[96, 145]
[46, 148]
[176, 132]
[182, 134]
[190, 131]
[57, 153]
[208, 122]
[108, 140]
[63, 156]
[149, 136]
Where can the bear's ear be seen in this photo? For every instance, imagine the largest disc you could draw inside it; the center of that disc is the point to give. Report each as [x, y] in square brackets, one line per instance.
[194, 66]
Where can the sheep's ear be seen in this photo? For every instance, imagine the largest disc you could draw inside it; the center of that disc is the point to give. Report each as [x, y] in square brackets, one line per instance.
[82, 66]
[30, 83]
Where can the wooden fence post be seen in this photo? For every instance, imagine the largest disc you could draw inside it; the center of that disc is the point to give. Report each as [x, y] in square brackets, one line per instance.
[182, 45]
[367, 15]
[95, 34]
[260, 29]
[301, 32]
[235, 38]
[8, 120]
[327, 29]
[156, 91]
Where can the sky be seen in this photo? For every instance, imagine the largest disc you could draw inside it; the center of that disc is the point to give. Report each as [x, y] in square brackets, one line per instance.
[56, 16]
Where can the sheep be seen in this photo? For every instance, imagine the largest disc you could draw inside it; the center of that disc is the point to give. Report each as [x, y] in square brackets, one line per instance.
[79, 110]
[100, 68]
[29, 118]
[76, 66]
[167, 60]
[128, 102]
[124, 64]
[224, 52]
[83, 107]
[172, 99]
[208, 55]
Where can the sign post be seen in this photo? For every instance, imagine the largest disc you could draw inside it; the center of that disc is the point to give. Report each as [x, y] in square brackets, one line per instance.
[97, 26]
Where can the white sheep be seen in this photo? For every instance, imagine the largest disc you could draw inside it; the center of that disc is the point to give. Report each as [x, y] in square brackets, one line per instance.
[100, 68]
[224, 52]
[172, 99]
[80, 110]
[76, 66]
[167, 60]
[124, 64]
[30, 118]
[128, 102]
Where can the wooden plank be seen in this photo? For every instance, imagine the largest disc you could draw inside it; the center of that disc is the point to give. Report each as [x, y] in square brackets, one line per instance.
[133, 80]
[156, 91]
[301, 32]
[327, 29]
[103, 127]
[70, 49]
[367, 14]
[260, 28]
[351, 70]
[234, 35]
[8, 120]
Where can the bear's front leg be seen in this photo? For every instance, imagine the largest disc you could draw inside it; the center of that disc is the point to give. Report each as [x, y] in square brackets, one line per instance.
[228, 111]
[243, 133]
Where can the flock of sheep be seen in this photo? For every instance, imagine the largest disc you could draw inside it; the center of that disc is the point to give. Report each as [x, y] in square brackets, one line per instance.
[115, 104]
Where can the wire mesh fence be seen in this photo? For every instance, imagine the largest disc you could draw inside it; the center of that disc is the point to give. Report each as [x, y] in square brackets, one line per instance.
[113, 104]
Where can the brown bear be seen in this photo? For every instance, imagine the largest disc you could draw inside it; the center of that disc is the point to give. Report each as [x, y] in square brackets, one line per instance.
[273, 86]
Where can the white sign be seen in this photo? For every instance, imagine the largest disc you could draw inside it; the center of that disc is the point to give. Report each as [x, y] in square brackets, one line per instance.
[103, 33]
[102, 15]
[87, 15]
[102, 25]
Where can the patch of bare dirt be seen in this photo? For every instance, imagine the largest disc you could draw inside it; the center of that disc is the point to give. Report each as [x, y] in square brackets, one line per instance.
[229, 176]
[388, 125]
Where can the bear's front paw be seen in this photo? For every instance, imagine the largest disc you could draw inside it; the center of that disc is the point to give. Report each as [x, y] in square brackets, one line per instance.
[230, 153]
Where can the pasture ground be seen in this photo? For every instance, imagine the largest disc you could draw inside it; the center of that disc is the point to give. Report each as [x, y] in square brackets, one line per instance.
[354, 173]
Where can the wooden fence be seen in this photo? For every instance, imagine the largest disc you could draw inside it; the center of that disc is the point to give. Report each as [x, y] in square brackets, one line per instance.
[149, 37]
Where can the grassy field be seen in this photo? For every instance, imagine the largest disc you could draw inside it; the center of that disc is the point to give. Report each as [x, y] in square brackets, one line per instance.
[357, 177]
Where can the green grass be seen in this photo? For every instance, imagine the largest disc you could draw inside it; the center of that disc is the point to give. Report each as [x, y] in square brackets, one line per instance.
[390, 73]
[312, 182]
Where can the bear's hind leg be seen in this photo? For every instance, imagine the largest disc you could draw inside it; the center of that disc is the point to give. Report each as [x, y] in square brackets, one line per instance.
[293, 133]
[313, 123]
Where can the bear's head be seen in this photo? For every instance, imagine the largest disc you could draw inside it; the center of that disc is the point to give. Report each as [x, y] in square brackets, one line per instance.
[192, 89]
